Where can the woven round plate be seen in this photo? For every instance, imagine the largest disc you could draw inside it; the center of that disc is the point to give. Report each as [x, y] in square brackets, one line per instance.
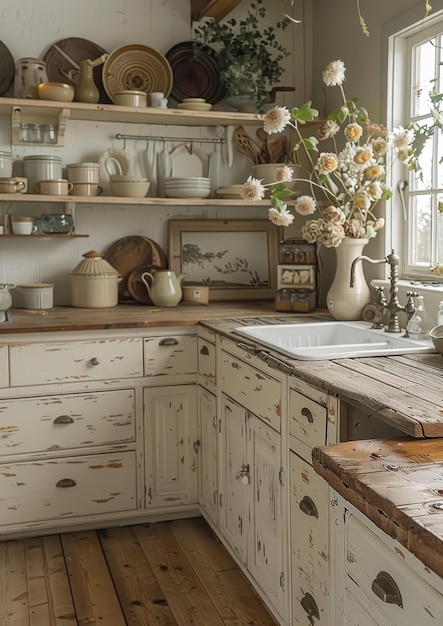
[136, 67]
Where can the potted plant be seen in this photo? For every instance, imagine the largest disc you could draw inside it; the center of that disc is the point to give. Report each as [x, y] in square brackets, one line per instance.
[248, 54]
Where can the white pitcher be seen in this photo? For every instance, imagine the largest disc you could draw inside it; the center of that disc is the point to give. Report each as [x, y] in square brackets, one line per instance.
[165, 288]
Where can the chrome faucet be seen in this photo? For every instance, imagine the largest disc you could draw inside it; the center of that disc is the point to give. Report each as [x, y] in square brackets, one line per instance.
[393, 306]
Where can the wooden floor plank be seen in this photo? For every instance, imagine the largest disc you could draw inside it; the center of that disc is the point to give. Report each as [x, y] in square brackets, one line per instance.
[13, 585]
[141, 598]
[50, 600]
[189, 603]
[95, 599]
[232, 595]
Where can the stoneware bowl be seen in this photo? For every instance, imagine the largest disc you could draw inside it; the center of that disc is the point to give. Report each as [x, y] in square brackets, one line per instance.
[61, 92]
[130, 189]
[436, 334]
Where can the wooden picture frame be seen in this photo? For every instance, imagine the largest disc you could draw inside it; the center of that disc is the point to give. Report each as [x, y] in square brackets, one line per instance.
[237, 259]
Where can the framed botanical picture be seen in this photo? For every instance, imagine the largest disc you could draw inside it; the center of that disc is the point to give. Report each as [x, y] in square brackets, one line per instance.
[237, 259]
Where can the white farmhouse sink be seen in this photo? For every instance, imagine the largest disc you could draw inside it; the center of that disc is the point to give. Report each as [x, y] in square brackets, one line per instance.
[332, 340]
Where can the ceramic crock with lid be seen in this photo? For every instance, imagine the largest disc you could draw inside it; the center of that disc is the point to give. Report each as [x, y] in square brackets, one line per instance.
[36, 296]
[41, 167]
[94, 282]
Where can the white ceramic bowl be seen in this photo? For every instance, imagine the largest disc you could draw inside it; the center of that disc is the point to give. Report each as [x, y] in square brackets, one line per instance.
[130, 189]
[117, 178]
[61, 92]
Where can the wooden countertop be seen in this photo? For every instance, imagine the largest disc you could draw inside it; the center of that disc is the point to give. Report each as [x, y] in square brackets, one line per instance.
[398, 484]
[65, 319]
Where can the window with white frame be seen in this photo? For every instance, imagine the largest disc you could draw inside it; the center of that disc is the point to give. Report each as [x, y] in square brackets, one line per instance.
[416, 68]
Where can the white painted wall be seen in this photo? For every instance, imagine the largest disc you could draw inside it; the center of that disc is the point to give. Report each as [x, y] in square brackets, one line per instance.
[29, 28]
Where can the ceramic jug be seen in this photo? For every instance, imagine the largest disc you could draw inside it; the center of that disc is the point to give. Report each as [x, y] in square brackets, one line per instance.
[85, 88]
[5, 300]
[165, 288]
[29, 73]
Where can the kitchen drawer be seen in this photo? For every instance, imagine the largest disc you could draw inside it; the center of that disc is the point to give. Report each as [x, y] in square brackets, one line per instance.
[4, 367]
[170, 355]
[75, 361]
[307, 419]
[254, 390]
[206, 360]
[51, 423]
[378, 570]
[59, 489]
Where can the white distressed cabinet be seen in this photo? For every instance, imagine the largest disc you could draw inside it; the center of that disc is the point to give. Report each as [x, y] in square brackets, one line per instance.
[379, 581]
[97, 427]
[208, 426]
[251, 484]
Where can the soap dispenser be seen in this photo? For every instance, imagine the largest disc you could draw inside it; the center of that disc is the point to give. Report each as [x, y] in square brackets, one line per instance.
[440, 314]
[421, 322]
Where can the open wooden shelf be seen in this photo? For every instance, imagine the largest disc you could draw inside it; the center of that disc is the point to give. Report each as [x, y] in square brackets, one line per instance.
[27, 197]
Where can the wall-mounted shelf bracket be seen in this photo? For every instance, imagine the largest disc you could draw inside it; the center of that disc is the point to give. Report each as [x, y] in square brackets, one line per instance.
[25, 121]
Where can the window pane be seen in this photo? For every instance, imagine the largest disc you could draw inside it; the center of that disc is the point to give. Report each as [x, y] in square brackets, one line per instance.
[420, 230]
[423, 75]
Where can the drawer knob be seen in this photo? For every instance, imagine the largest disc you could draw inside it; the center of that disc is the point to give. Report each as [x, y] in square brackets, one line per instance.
[204, 351]
[95, 361]
[310, 606]
[308, 414]
[64, 419]
[66, 482]
[308, 506]
[385, 588]
[168, 341]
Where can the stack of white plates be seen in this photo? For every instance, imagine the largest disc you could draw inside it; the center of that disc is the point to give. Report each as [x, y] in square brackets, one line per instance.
[231, 192]
[187, 187]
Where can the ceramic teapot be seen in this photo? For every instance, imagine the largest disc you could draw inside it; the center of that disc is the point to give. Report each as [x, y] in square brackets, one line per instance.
[165, 288]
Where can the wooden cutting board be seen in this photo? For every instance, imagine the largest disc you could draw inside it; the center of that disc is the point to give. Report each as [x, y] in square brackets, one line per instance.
[130, 253]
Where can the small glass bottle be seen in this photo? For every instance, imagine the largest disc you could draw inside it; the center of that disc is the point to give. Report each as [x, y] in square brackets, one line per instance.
[420, 323]
[50, 134]
[37, 133]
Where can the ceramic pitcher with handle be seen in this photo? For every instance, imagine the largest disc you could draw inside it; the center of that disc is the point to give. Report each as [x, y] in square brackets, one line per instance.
[165, 288]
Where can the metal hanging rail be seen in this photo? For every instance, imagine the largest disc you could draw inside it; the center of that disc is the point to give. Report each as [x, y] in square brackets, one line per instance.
[182, 139]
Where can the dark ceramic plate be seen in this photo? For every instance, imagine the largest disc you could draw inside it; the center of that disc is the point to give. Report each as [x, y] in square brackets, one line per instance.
[64, 55]
[196, 73]
[7, 69]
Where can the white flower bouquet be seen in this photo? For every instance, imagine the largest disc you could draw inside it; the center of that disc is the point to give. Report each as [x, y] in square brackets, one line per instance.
[346, 185]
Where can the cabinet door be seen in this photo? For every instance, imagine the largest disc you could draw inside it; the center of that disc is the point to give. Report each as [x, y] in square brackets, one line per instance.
[170, 445]
[265, 550]
[309, 543]
[234, 477]
[208, 457]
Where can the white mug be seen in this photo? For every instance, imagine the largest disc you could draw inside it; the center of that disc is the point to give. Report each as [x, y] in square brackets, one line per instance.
[23, 228]
[158, 100]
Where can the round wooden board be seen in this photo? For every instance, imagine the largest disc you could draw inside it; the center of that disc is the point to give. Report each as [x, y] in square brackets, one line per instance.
[136, 288]
[129, 253]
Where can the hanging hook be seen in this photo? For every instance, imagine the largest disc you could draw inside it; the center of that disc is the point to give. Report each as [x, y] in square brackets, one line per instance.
[401, 186]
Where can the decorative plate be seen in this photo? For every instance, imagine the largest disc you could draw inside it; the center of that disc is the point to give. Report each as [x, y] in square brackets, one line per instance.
[7, 68]
[65, 55]
[196, 74]
[136, 67]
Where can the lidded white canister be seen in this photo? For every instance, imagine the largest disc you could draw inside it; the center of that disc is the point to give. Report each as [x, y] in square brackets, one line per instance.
[94, 283]
[6, 161]
[36, 296]
[41, 167]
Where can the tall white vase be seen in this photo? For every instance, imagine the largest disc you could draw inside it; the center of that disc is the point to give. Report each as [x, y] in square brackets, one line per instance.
[343, 301]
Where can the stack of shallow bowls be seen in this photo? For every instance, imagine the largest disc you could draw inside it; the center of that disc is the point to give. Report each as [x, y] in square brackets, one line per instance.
[187, 187]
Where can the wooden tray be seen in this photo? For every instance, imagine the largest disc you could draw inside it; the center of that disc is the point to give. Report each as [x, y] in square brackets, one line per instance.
[133, 252]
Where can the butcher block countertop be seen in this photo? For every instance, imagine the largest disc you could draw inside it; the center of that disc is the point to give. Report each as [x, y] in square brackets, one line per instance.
[398, 484]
